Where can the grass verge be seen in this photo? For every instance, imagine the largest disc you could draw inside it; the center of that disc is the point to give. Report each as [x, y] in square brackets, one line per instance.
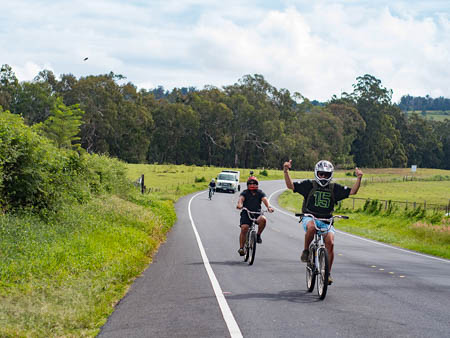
[60, 277]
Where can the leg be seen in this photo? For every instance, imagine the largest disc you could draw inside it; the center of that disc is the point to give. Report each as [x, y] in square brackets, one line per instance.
[329, 244]
[309, 235]
[261, 224]
[244, 229]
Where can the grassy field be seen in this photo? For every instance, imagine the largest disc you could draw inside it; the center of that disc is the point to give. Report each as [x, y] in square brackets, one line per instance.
[435, 115]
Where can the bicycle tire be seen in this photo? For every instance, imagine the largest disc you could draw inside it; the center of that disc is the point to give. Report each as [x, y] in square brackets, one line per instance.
[246, 249]
[310, 274]
[252, 247]
[210, 193]
[323, 273]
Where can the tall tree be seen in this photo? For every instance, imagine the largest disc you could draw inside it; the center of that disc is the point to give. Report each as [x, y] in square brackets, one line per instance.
[63, 125]
[8, 87]
[379, 145]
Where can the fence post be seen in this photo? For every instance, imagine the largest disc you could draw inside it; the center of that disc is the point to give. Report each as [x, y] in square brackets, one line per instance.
[353, 203]
[385, 205]
[425, 205]
[142, 184]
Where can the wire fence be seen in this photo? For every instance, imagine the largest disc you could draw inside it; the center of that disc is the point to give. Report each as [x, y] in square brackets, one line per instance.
[358, 203]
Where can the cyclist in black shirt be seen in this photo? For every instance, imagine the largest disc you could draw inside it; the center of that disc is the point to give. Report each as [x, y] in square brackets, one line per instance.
[320, 197]
[251, 198]
[212, 184]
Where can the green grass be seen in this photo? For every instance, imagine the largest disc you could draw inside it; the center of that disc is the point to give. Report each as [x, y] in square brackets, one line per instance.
[435, 115]
[61, 277]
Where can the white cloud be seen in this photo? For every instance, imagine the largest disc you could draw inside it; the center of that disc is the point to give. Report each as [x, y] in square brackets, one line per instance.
[315, 48]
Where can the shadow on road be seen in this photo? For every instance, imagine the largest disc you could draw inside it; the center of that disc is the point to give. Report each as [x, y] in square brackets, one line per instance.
[294, 296]
[228, 263]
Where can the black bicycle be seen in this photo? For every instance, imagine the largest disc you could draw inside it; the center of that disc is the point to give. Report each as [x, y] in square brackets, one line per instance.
[211, 192]
[250, 240]
[318, 263]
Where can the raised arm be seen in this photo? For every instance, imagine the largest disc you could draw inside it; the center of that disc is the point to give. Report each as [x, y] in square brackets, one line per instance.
[287, 178]
[357, 184]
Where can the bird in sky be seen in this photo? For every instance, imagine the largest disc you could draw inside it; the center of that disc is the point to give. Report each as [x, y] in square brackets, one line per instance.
[85, 59]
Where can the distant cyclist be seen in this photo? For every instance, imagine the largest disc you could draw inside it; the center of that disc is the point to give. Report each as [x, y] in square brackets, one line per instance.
[212, 185]
[251, 198]
[320, 197]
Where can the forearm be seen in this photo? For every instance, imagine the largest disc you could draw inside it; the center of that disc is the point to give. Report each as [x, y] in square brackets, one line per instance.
[356, 186]
[288, 180]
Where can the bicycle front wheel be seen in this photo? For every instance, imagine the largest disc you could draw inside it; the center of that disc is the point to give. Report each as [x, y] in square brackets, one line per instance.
[310, 277]
[324, 272]
[252, 247]
[210, 193]
[246, 247]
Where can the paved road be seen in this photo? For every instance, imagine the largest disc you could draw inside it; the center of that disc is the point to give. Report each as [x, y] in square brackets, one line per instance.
[379, 291]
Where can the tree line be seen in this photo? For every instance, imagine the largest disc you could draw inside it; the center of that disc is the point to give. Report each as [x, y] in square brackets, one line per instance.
[248, 124]
[408, 103]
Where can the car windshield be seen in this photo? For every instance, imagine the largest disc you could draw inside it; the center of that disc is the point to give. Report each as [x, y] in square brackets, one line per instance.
[226, 177]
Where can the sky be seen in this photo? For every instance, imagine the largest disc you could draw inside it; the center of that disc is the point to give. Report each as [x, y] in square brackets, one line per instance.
[316, 48]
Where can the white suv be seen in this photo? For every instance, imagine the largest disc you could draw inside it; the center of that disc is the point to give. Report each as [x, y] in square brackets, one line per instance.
[228, 180]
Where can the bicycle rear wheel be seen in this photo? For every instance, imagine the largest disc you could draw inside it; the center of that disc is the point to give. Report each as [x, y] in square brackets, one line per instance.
[323, 273]
[252, 247]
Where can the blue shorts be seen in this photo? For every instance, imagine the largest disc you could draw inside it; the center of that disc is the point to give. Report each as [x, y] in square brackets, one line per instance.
[320, 224]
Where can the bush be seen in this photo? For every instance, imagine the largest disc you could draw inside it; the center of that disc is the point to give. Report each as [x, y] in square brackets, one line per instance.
[36, 175]
[264, 173]
[200, 179]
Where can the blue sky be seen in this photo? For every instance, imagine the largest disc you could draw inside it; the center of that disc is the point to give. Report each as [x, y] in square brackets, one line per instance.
[316, 48]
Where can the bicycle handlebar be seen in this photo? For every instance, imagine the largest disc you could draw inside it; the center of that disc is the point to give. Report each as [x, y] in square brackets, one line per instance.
[329, 220]
[322, 219]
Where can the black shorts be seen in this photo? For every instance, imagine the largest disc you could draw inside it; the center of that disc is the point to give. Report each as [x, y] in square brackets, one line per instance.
[245, 219]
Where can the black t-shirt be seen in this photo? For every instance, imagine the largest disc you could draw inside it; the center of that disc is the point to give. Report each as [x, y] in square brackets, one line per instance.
[321, 204]
[252, 201]
[212, 184]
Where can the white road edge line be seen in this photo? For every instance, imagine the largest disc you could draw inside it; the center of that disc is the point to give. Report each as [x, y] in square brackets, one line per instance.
[232, 325]
[361, 238]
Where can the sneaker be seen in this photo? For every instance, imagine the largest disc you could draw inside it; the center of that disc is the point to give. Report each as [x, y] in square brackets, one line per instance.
[305, 255]
[330, 280]
[258, 239]
[241, 251]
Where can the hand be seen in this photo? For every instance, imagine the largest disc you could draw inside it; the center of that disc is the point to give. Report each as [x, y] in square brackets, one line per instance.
[287, 165]
[270, 209]
[238, 206]
[358, 172]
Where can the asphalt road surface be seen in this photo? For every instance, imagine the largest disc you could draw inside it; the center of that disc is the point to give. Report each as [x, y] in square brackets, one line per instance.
[199, 286]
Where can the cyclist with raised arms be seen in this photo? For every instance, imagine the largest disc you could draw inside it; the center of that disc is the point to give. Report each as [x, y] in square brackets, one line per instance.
[320, 196]
[251, 198]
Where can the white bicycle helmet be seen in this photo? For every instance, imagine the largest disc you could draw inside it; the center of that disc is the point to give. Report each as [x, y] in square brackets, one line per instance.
[326, 169]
